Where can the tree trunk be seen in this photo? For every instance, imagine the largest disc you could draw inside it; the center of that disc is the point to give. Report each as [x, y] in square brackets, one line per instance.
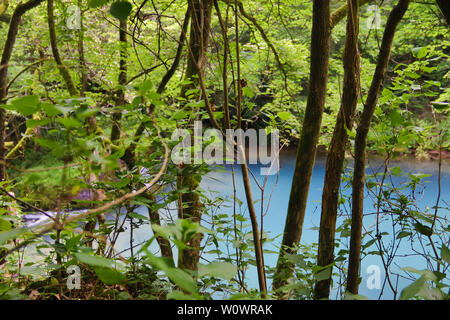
[192, 207]
[120, 95]
[336, 152]
[54, 44]
[259, 253]
[81, 59]
[198, 41]
[164, 244]
[360, 143]
[306, 153]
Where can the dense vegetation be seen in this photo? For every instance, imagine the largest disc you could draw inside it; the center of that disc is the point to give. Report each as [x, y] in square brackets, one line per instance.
[91, 92]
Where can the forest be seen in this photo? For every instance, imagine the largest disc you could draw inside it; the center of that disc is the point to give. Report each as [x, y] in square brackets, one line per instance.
[224, 149]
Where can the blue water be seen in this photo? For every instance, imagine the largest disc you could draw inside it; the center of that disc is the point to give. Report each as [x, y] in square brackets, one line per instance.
[277, 188]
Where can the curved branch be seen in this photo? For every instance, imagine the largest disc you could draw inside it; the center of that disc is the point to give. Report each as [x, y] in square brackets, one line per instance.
[22, 71]
[43, 229]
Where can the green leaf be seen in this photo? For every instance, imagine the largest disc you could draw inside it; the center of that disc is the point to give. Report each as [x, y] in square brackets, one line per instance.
[69, 123]
[31, 123]
[121, 10]
[53, 110]
[396, 117]
[413, 289]
[422, 53]
[427, 274]
[145, 86]
[12, 234]
[5, 224]
[180, 115]
[94, 261]
[441, 106]
[181, 279]
[110, 276]
[50, 144]
[26, 105]
[296, 259]
[429, 293]
[445, 253]
[396, 171]
[284, 115]
[178, 276]
[138, 216]
[403, 234]
[87, 113]
[323, 275]
[224, 270]
[178, 295]
[422, 229]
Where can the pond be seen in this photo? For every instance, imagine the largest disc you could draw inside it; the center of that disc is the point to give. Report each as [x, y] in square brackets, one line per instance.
[276, 196]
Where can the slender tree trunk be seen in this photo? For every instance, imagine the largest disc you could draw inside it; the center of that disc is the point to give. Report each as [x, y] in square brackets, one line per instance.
[306, 153]
[81, 59]
[120, 98]
[336, 152]
[360, 143]
[164, 244]
[192, 207]
[6, 56]
[259, 253]
[198, 41]
[54, 44]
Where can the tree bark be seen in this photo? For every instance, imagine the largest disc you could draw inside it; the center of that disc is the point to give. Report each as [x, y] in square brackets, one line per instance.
[336, 152]
[198, 41]
[54, 44]
[306, 153]
[360, 143]
[164, 244]
[81, 59]
[120, 95]
[197, 48]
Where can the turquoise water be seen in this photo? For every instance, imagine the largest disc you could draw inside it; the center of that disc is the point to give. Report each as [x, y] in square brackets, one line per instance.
[277, 189]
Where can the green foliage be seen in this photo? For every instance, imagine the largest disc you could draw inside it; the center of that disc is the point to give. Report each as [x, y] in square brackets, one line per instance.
[121, 10]
[68, 160]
